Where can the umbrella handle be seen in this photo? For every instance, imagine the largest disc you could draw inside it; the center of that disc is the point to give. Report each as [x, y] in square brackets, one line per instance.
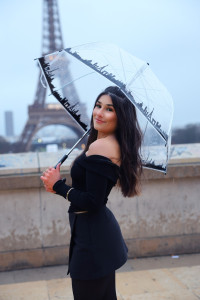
[66, 155]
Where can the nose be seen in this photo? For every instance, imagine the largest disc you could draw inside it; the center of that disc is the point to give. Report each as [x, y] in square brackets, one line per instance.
[100, 112]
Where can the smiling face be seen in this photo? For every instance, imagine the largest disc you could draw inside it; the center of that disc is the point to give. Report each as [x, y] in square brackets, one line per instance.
[104, 116]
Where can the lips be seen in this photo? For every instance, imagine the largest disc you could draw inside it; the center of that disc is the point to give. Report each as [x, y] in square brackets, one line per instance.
[99, 121]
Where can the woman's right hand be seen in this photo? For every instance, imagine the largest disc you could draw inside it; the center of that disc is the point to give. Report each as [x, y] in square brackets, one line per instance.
[50, 177]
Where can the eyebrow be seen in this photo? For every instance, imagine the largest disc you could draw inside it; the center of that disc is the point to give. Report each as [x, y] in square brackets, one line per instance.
[106, 104]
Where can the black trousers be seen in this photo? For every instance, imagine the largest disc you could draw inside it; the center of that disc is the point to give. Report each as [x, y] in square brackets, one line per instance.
[96, 289]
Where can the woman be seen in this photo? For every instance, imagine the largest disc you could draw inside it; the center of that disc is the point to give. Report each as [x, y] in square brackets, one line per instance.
[97, 247]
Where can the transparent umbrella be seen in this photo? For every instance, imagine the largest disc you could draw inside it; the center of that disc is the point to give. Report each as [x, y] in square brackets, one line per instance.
[95, 66]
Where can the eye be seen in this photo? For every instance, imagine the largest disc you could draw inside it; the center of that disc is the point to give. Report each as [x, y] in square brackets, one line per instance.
[109, 109]
[98, 105]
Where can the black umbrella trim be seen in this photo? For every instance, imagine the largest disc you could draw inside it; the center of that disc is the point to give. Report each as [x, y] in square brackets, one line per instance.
[122, 86]
[71, 109]
[152, 165]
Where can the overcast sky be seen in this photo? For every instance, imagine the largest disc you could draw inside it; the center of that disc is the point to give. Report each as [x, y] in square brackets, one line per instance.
[165, 33]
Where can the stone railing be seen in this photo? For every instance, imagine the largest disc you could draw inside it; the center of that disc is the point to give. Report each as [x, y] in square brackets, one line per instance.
[34, 229]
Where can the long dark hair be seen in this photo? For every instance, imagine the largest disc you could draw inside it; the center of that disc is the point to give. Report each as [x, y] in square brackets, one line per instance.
[129, 137]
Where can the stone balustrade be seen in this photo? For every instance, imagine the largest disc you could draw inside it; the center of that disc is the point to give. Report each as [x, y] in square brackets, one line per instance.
[34, 228]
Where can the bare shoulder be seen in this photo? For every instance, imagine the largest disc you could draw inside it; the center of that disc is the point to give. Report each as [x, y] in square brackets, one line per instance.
[107, 147]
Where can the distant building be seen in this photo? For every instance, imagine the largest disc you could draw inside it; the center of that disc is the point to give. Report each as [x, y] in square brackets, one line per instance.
[9, 123]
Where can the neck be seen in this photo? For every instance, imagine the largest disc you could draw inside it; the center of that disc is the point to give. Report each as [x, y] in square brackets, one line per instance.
[102, 135]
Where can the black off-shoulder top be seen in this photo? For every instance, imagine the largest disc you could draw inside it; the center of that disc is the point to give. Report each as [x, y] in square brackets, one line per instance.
[92, 180]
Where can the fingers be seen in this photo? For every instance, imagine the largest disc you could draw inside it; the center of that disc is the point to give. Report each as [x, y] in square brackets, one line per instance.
[50, 190]
[49, 177]
[47, 187]
[46, 174]
[44, 179]
[48, 170]
[58, 167]
[52, 170]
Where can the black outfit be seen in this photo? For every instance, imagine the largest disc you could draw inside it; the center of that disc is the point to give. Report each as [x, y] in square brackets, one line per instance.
[97, 247]
[97, 289]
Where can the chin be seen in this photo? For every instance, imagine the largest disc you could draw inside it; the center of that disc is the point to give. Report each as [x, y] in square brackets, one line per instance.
[97, 126]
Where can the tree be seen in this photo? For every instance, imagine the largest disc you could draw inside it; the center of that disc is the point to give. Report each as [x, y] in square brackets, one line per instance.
[186, 135]
[5, 146]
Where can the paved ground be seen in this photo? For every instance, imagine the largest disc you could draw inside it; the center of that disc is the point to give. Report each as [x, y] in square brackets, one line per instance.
[157, 278]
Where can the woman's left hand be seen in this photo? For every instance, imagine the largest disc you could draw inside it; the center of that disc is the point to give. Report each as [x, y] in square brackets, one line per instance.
[50, 177]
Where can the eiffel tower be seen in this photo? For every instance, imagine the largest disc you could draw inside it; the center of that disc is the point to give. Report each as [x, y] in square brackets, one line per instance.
[41, 114]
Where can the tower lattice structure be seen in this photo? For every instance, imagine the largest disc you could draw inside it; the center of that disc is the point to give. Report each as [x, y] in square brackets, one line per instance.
[39, 113]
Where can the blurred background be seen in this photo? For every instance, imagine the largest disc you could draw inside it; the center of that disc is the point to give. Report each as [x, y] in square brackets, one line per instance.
[165, 33]
[164, 219]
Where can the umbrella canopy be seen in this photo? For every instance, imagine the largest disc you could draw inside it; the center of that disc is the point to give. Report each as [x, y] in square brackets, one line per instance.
[95, 66]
